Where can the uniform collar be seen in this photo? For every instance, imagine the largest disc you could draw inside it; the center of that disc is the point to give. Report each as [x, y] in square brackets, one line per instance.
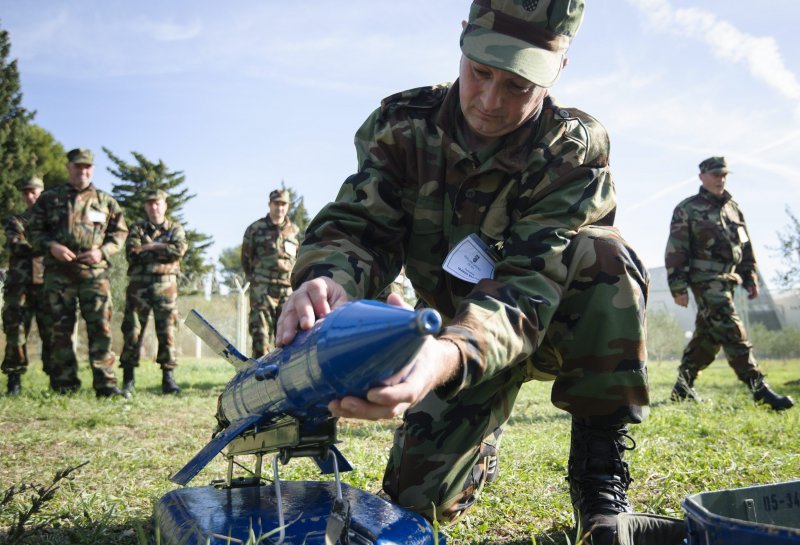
[722, 199]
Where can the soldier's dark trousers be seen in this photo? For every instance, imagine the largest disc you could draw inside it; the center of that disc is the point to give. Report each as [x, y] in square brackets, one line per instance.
[21, 304]
[594, 349]
[718, 326]
[91, 292]
[159, 294]
[266, 302]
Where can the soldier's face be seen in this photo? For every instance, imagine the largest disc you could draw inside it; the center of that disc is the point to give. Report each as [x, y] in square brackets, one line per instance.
[714, 182]
[156, 211]
[30, 196]
[278, 211]
[496, 102]
[80, 175]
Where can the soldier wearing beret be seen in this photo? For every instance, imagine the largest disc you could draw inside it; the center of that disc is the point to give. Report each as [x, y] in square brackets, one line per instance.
[154, 249]
[269, 248]
[23, 297]
[78, 227]
[709, 251]
[491, 170]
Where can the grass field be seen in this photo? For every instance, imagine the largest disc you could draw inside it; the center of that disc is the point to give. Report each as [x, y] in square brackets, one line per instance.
[133, 446]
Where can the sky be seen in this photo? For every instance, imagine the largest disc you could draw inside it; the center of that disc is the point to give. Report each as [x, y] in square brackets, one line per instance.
[245, 95]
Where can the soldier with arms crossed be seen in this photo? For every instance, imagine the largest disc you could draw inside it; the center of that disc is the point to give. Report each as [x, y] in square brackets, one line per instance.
[78, 227]
[23, 294]
[709, 251]
[491, 167]
[154, 250]
[269, 249]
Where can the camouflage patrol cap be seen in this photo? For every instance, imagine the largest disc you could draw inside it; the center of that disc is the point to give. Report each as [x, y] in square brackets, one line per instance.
[526, 37]
[714, 164]
[81, 156]
[155, 195]
[280, 195]
[34, 182]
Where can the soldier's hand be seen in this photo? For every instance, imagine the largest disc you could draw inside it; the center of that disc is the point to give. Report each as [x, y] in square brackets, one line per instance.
[312, 300]
[61, 252]
[436, 363]
[90, 257]
[752, 291]
[682, 300]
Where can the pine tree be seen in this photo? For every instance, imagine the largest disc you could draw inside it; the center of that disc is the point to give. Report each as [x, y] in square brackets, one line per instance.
[15, 160]
[136, 181]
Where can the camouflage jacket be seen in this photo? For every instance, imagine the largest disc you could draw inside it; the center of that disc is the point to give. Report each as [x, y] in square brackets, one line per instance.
[708, 240]
[80, 220]
[163, 261]
[24, 266]
[417, 193]
[269, 251]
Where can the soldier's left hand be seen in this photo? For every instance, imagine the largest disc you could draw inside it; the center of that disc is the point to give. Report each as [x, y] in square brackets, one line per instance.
[752, 291]
[90, 257]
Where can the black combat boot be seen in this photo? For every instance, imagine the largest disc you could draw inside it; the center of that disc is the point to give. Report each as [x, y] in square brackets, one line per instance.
[168, 384]
[101, 386]
[763, 394]
[684, 387]
[598, 479]
[128, 379]
[14, 384]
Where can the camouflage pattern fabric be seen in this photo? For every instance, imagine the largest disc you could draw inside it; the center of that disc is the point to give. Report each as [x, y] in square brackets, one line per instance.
[152, 285]
[709, 251]
[708, 240]
[23, 298]
[91, 291]
[560, 306]
[268, 254]
[81, 220]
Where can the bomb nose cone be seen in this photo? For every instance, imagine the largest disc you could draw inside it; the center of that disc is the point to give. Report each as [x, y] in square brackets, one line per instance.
[428, 321]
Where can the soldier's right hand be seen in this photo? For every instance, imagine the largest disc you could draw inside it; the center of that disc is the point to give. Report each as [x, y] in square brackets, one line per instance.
[314, 299]
[682, 299]
[61, 252]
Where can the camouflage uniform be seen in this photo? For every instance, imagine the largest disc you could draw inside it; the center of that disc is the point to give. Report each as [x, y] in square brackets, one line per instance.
[709, 251]
[80, 220]
[268, 253]
[566, 303]
[152, 284]
[23, 298]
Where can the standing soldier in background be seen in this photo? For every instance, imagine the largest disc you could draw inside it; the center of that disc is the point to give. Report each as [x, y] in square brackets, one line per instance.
[269, 250]
[78, 227]
[709, 251]
[154, 250]
[23, 297]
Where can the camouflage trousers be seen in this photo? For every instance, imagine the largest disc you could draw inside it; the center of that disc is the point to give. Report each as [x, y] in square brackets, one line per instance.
[90, 291]
[266, 302]
[21, 304]
[158, 293]
[718, 325]
[595, 351]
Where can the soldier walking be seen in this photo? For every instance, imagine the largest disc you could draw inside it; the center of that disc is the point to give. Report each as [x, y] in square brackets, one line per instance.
[78, 228]
[709, 250]
[23, 297]
[269, 250]
[154, 250]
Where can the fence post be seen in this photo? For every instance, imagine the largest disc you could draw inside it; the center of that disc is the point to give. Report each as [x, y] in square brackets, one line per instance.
[241, 310]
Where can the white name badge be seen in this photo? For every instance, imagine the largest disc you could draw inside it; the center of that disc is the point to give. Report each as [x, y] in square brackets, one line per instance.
[470, 260]
[95, 216]
[290, 248]
[743, 238]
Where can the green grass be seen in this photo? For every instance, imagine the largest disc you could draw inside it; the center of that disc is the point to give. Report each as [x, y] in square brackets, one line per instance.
[132, 447]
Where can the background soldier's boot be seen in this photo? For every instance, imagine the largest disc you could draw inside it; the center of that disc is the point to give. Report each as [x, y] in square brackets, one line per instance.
[128, 379]
[598, 479]
[684, 387]
[14, 384]
[762, 393]
[101, 386]
[168, 384]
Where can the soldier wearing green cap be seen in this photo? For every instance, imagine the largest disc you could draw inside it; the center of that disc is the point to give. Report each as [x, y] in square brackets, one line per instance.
[709, 251]
[23, 297]
[269, 248]
[78, 227]
[491, 170]
[154, 248]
